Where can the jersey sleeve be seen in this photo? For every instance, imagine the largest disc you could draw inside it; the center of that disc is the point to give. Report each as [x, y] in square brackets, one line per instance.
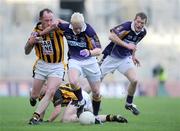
[121, 30]
[57, 99]
[92, 37]
[63, 26]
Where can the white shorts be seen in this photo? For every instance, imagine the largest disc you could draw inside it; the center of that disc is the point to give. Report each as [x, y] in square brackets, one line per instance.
[43, 70]
[110, 64]
[86, 97]
[88, 68]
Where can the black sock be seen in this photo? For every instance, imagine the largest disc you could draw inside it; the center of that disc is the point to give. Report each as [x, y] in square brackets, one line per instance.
[129, 99]
[96, 106]
[111, 117]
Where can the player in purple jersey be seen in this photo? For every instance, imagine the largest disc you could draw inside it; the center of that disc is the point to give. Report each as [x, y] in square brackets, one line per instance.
[120, 54]
[84, 46]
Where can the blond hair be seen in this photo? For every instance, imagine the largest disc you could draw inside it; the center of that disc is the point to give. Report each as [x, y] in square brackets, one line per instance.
[77, 18]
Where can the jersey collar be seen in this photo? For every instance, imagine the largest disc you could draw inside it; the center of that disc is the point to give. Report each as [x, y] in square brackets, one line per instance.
[83, 28]
[132, 28]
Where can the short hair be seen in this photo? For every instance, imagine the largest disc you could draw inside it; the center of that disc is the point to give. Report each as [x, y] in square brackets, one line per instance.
[77, 18]
[42, 12]
[142, 15]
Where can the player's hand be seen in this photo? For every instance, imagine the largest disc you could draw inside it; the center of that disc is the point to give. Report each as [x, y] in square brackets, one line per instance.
[85, 53]
[55, 23]
[39, 39]
[35, 34]
[32, 40]
[136, 61]
[131, 46]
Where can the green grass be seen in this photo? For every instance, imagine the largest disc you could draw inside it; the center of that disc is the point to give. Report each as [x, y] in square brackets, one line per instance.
[157, 114]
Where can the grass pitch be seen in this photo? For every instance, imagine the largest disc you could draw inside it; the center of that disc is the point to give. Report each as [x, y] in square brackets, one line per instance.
[157, 114]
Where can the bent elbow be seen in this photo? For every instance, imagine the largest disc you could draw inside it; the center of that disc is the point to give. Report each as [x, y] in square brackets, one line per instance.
[26, 52]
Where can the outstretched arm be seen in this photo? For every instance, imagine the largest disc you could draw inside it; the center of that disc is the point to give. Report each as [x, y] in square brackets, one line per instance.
[55, 113]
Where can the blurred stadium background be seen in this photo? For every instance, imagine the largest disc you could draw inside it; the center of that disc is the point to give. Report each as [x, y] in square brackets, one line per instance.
[160, 46]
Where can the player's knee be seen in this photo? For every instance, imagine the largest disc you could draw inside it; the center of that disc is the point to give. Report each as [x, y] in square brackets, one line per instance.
[134, 82]
[95, 93]
[96, 97]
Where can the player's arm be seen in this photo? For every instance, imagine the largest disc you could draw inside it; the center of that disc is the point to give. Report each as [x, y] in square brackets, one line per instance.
[92, 52]
[115, 39]
[55, 113]
[48, 29]
[95, 43]
[135, 60]
[97, 50]
[30, 43]
[61, 21]
[57, 100]
[54, 26]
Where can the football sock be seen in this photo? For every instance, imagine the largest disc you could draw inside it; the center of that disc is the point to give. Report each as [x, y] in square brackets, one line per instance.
[111, 117]
[43, 104]
[96, 106]
[129, 99]
[36, 115]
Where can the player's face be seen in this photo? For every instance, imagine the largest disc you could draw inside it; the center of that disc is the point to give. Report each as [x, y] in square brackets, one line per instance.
[139, 24]
[47, 19]
[77, 27]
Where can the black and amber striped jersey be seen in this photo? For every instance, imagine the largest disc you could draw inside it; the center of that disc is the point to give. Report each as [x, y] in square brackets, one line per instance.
[64, 95]
[51, 47]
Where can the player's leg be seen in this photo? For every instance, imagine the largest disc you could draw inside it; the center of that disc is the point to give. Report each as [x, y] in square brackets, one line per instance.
[74, 72]
[93, 75]
[37, 85]
[109, 65]
[96, 97]
[112, 118]
[42, 116]
[129, 70]
[132, 77]
[84, 84]
[52, 85]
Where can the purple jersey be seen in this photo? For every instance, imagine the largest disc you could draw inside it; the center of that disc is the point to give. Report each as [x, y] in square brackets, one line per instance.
[126, 33]
[87, 39]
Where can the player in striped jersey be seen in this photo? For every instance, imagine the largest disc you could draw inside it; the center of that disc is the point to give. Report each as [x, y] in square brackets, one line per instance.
[120, 54]
[64, 97]
[49, 65]
[84, 46]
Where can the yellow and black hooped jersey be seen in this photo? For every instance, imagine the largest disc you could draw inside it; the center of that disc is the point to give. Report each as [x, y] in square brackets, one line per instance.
[64, 95]
[51, 48]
